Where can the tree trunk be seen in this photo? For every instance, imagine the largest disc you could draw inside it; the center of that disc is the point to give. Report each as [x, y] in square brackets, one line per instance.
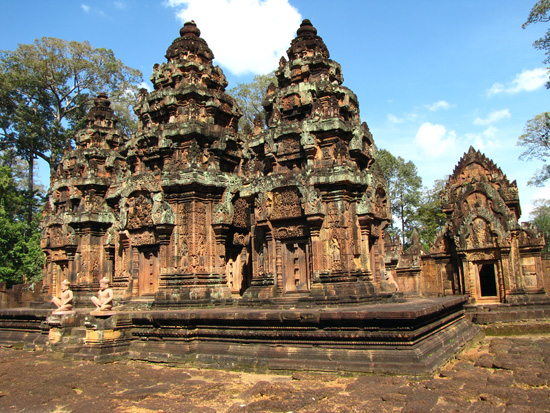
[30, 193]
[403, 225]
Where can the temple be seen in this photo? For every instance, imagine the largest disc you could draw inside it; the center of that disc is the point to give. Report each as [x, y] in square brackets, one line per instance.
[264, 249]
[190, 210]
[482, 251]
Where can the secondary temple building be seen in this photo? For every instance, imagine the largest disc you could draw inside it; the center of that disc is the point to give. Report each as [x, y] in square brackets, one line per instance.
[482, 251]
[190, 210]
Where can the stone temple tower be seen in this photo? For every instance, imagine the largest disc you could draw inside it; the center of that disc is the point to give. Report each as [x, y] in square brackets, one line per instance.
[319, 208]
[182, 158]
[78, 233]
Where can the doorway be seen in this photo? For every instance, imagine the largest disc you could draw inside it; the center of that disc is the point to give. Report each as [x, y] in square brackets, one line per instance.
[487, 280]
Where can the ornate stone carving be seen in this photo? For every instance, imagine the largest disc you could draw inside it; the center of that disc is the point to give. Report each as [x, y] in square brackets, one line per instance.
[292, 231]
[241, 216]
[286, 204]
[140, 210]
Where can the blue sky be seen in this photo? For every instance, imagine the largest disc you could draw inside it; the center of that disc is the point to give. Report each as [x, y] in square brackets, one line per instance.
[432, 77]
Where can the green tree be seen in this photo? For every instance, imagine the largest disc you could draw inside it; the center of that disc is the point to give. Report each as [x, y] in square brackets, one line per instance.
[21, 257]
[250, 96]
[540, 13]
[536, 136]
[536, 141]
[430, 215]
[47, 87]
[404, 188]
[540, 217]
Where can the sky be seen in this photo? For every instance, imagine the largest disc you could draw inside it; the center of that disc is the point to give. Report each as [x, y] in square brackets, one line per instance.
[432, 77]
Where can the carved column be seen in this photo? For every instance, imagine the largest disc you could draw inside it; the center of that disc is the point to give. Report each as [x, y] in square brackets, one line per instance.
[134, 271]
[220, 234]
[315, 222]
[278, 266]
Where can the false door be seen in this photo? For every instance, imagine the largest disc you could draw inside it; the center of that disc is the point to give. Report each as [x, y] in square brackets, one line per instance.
[295, 268]
[148, 272]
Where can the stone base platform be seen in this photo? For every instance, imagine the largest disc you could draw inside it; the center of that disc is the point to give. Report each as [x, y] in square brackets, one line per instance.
[507, 312]
[24, 328]
[411, 337]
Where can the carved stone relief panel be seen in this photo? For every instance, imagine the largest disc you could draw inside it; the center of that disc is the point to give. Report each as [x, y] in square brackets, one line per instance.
[241, 214]
[286, 204]
[140, 212]
[479, 235]
[144, 237]
[291, 231]
[288, 145]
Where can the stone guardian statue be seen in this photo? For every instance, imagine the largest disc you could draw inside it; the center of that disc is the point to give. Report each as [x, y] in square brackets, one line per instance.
[104, 299]
[65, 300]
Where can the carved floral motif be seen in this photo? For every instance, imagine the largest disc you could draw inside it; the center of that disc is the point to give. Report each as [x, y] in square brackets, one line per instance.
[286, 204]
[140, 212]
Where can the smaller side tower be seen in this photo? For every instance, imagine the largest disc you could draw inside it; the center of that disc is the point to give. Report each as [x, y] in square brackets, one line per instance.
[79, 224]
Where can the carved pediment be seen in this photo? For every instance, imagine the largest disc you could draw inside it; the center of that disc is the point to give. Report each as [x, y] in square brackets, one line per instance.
[58, 236]
[479, 229]
[139, 211]
[286, 204]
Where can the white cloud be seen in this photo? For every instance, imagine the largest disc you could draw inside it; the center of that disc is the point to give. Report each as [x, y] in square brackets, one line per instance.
[246, 36]
[120, 5]
[493, 117]
[526, 81]
[435, 140]
[85, 7]
[406, 117]
[394, 119]
[145, 85]
[485, 140]
[438, 105]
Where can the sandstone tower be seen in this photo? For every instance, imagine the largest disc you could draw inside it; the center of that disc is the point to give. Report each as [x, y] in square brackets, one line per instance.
[190, 211]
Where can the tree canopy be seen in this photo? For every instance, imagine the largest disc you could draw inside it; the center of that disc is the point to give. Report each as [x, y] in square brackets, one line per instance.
[536, 141]
[404, 188]
[537, 130]
[430, 215]
[46, 88]
[250, 96]
[540, 13]
[20, 255]
[540, 217]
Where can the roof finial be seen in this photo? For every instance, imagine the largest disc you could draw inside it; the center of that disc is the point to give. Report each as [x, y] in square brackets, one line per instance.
[190, 29]
[306, 28]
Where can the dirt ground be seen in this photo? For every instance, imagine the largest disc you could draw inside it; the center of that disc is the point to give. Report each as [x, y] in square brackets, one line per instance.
[499, 374]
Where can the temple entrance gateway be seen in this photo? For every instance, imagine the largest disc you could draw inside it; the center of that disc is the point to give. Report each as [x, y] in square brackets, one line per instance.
[487, 280]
